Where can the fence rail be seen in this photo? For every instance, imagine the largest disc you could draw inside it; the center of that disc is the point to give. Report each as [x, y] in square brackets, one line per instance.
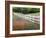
[29, 17]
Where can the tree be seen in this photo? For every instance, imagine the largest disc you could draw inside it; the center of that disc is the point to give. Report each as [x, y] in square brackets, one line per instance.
[25, 10]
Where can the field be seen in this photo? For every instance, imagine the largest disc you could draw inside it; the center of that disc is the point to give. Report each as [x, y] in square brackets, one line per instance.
[26, 21]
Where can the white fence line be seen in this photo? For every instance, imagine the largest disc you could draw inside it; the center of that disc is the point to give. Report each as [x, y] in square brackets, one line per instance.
[35, 19]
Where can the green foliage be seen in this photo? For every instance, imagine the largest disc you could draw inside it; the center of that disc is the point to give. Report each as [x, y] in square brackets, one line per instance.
[25, 10]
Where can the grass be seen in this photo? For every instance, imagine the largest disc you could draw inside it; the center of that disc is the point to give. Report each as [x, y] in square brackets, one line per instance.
[30, 26]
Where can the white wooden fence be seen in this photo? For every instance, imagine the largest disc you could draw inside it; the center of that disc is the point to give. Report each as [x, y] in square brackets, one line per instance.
[29, 17]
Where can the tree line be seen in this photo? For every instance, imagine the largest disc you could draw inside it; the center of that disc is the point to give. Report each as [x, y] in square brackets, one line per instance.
[25, 10]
